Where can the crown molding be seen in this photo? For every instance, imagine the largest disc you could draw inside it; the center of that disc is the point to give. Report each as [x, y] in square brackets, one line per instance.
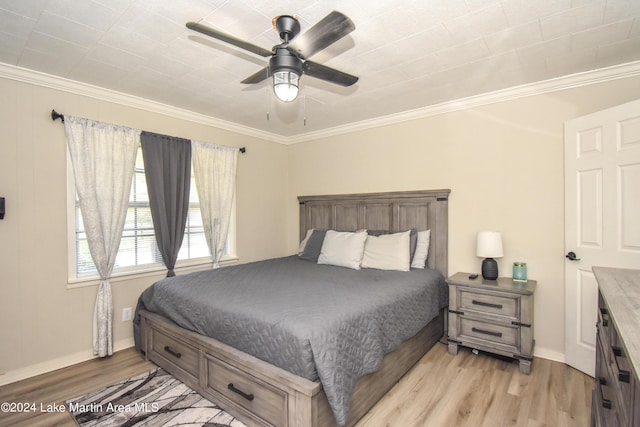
[66, 85]
[631, 69]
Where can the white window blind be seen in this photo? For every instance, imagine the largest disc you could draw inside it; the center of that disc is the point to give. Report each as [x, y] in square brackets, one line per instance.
[138, 249]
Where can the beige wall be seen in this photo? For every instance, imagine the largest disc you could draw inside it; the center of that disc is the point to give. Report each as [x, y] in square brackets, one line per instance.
[43, 324]
[504, 165]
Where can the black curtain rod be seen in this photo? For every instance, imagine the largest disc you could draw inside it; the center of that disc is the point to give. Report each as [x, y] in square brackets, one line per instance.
[55, 116]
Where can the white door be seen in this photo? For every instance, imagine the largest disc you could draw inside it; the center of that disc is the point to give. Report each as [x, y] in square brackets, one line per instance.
[602, 216]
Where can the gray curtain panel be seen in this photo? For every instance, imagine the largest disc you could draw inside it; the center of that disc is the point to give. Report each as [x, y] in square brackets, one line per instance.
[167, 165]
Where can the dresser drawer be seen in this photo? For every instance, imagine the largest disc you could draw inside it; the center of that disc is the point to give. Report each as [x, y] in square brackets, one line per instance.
[248, 392]
[470, 328]
[607, 399]
[621, 373]
[175, 351]
[607, 409]
[604, 322]
[603, 329]
[501, 304]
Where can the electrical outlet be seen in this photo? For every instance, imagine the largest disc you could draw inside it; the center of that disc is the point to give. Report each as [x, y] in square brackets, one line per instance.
[126, 314]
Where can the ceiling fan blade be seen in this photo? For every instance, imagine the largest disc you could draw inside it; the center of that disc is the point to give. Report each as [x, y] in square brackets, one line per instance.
[327, 31]
[257, 77]
[329, 74]
[208, 31]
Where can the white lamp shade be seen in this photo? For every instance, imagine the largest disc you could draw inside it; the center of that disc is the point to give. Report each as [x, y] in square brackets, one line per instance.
[489, 244]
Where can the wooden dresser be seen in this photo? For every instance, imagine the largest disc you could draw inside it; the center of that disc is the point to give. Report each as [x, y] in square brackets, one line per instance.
[492, 315]
[616, 397]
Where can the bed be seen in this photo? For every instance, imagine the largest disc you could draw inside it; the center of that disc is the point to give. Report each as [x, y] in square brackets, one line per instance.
[290, 367]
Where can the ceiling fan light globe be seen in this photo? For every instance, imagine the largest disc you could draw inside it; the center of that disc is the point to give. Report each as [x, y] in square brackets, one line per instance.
[285, 85]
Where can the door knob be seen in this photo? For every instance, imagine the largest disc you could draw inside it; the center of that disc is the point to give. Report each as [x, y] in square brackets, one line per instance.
[571, 256]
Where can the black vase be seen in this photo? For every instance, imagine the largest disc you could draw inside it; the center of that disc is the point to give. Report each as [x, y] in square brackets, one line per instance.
[490, 269]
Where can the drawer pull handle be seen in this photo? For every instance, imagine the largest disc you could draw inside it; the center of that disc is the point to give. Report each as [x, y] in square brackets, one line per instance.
[482, 331]
[249, 397]
[605, 316]
[606, 403]
[172, 352]
[487, 304]
[623, 374]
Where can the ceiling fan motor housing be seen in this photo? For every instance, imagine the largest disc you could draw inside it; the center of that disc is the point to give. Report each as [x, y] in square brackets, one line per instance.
[285, 60]
[287, 26]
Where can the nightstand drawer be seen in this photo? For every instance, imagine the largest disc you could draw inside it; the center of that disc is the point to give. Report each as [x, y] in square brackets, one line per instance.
[503, 305]
[480, 330]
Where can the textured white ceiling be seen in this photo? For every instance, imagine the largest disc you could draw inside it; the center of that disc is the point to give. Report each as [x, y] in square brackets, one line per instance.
[408, 54]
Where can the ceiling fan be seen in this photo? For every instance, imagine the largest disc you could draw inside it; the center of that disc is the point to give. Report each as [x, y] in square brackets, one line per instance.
[288, 60]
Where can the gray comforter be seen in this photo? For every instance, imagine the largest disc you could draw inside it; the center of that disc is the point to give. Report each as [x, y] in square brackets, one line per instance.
[320, 322]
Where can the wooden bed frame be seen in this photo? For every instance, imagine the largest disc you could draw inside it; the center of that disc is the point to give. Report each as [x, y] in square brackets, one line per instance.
[260, 394]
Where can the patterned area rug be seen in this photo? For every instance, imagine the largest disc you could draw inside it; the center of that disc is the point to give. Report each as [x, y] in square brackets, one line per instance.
[152, 399]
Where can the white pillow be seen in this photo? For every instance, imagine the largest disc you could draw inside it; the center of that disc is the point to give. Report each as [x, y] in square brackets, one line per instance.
[303, 244]
[388, 252]
[422, 249]
[343, 249]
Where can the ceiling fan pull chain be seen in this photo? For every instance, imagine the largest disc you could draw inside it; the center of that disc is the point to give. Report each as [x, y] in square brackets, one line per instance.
[267, 96]
[304, 105]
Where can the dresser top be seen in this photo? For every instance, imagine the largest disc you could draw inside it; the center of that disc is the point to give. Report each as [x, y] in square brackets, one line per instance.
[505, 284]
[620, 289]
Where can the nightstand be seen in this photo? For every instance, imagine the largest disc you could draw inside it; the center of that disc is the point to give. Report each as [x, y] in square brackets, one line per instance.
[492, 315]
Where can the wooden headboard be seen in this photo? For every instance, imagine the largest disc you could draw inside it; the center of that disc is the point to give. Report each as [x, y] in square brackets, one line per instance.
[393, 212]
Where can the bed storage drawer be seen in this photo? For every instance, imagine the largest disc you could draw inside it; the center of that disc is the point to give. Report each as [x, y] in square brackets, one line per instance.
[244, 390]
[170, 349]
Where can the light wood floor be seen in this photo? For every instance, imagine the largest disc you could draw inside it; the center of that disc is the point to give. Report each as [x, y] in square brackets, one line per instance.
[443, 390]
[440, 391]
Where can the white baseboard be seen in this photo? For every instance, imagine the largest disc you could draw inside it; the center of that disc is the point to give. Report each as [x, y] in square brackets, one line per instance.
[544, 353]
[58, 363]
[83, 356]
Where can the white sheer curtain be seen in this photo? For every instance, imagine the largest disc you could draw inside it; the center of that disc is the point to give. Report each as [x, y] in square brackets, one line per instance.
[103, 157]
[214, 167]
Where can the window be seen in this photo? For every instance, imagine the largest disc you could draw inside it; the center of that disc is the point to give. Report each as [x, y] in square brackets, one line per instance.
[138, 250]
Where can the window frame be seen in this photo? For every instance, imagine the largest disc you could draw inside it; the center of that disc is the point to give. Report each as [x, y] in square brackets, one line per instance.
[127, 273]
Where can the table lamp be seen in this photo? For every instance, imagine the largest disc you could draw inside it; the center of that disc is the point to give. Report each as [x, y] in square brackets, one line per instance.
[489, 246]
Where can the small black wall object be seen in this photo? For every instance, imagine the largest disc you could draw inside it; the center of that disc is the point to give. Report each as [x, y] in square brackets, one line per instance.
[1, 207]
